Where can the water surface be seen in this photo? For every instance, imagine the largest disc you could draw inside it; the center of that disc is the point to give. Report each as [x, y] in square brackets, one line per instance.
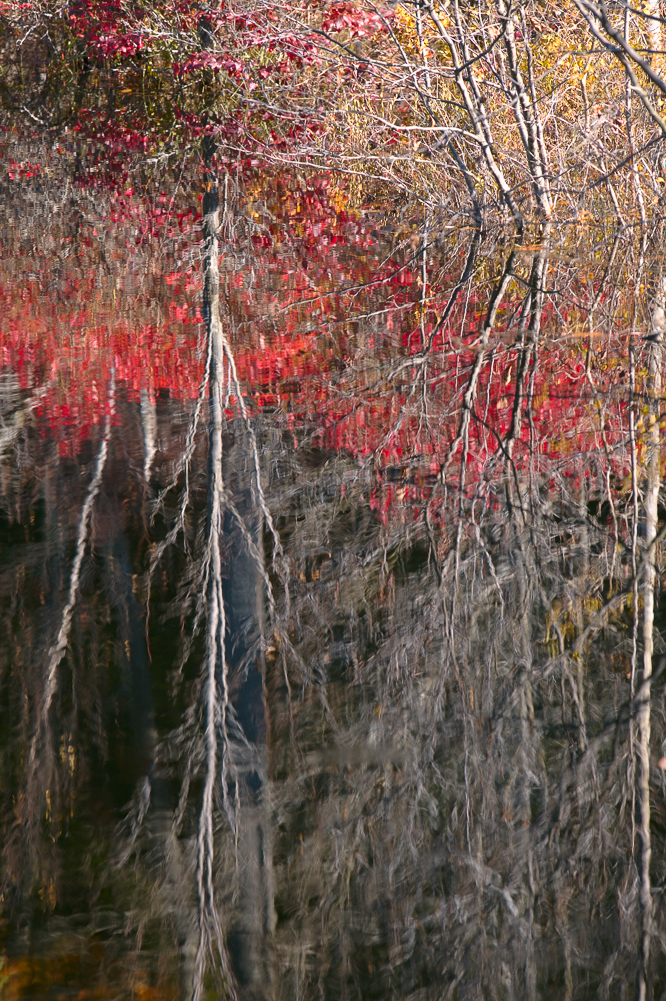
[322, 593]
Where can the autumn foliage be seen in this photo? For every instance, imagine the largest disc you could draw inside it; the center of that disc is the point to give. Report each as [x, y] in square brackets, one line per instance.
[140, 87]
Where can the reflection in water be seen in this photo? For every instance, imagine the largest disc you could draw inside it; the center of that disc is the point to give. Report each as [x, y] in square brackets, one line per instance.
[332, 626]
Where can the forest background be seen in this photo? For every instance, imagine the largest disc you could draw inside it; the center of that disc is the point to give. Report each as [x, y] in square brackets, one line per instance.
[446, 408]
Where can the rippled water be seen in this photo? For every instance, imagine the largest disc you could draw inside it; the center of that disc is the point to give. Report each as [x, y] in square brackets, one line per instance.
[323, 587]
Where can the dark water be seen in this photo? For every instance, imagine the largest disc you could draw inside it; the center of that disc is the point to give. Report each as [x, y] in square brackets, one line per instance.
[326, 567]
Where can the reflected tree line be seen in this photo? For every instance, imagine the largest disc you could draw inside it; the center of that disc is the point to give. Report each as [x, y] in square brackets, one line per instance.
[409, 752]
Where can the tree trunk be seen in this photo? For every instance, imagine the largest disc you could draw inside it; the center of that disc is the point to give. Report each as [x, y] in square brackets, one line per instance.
[643, 713]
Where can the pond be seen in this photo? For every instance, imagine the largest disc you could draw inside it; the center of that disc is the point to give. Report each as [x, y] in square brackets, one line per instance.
[332, 623]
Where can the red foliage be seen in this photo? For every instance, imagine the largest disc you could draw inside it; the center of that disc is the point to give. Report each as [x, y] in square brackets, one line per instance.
[357, 21]
[298, 330]
[296, 324]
